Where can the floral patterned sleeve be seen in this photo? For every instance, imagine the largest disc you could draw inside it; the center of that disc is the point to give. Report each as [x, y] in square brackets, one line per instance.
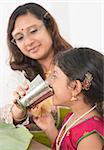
[5, 114]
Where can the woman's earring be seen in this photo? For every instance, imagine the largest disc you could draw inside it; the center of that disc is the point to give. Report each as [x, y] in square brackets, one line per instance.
[73, 98]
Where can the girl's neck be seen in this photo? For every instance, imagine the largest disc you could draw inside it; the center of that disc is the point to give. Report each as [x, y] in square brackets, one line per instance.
[78, 111]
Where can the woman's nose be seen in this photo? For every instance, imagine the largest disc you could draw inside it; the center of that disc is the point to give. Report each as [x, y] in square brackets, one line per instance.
[28, 41]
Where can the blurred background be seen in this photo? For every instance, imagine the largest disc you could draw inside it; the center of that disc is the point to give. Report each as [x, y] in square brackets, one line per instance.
[80, 22]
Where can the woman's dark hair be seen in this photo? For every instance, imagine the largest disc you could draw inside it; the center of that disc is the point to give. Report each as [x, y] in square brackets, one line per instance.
[18, 61]
[75, 63]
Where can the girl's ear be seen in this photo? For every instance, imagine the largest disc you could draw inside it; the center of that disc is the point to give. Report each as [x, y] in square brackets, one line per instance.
[76, 86]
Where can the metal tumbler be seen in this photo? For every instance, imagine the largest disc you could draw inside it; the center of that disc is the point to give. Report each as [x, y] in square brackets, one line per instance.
[39, 91]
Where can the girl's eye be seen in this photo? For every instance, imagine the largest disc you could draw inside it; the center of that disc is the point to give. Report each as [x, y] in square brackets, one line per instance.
[54, 76]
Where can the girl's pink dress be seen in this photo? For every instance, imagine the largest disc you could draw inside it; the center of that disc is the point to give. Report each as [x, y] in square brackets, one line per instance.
[80, 131]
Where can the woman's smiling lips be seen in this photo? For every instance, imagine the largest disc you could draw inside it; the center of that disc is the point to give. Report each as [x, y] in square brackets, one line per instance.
[34, 50]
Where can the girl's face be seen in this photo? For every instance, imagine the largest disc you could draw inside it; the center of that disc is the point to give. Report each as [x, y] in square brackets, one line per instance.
[32, 37]
[62, 90]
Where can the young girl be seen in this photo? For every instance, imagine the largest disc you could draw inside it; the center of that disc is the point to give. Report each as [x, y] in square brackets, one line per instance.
[77, 82]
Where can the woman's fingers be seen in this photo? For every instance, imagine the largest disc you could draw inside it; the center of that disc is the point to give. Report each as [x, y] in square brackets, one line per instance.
[16, 96]
[20, 91]
[25, 86]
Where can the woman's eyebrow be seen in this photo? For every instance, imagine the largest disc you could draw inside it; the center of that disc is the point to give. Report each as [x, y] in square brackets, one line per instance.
[20, 31]
[15, 33]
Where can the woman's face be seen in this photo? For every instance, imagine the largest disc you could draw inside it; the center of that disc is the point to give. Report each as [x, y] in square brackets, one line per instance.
[60, 85]
[32, 37]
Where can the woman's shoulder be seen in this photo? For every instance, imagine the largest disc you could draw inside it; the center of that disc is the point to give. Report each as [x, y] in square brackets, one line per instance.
[5, 114]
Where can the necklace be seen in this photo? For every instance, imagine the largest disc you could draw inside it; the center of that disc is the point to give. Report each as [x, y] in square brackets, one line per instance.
[63, 130]
[48, 73]
[48, 70]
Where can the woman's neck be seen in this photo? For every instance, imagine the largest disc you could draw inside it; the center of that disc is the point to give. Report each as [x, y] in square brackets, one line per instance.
[47, 64]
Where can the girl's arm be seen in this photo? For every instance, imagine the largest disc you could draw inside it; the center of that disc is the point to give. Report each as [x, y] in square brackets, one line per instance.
[91, 142]
[51, 133]
[47, 124]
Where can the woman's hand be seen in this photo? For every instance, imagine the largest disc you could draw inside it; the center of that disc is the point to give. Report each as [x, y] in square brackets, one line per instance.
[17, 111]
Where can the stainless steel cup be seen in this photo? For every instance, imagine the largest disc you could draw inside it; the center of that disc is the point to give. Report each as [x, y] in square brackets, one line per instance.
[39, 91]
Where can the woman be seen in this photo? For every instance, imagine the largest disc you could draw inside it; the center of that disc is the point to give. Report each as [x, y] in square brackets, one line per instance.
[33, 40]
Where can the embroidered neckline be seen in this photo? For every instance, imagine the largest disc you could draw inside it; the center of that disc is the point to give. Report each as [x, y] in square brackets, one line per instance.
[63, 130]
[92, 117]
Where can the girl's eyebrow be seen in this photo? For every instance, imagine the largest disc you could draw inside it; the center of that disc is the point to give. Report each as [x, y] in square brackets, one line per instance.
[55, 72]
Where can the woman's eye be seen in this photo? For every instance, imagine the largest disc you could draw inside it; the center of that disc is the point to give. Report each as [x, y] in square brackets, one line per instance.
[20, 38]
[34, 30]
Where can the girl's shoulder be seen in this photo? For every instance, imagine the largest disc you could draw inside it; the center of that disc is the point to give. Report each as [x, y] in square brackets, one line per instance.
[89, 126]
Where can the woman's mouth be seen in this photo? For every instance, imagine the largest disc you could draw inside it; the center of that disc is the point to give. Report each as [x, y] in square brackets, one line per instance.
[34, 50]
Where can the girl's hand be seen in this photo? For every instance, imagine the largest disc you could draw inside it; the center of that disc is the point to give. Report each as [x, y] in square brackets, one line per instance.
[47, 124]
[44, 121]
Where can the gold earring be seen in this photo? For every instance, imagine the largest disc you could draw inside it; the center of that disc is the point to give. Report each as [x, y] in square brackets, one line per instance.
[73, 98]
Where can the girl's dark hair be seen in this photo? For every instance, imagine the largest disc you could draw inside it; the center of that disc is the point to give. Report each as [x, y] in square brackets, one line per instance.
[18, 61]
[75, 63]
